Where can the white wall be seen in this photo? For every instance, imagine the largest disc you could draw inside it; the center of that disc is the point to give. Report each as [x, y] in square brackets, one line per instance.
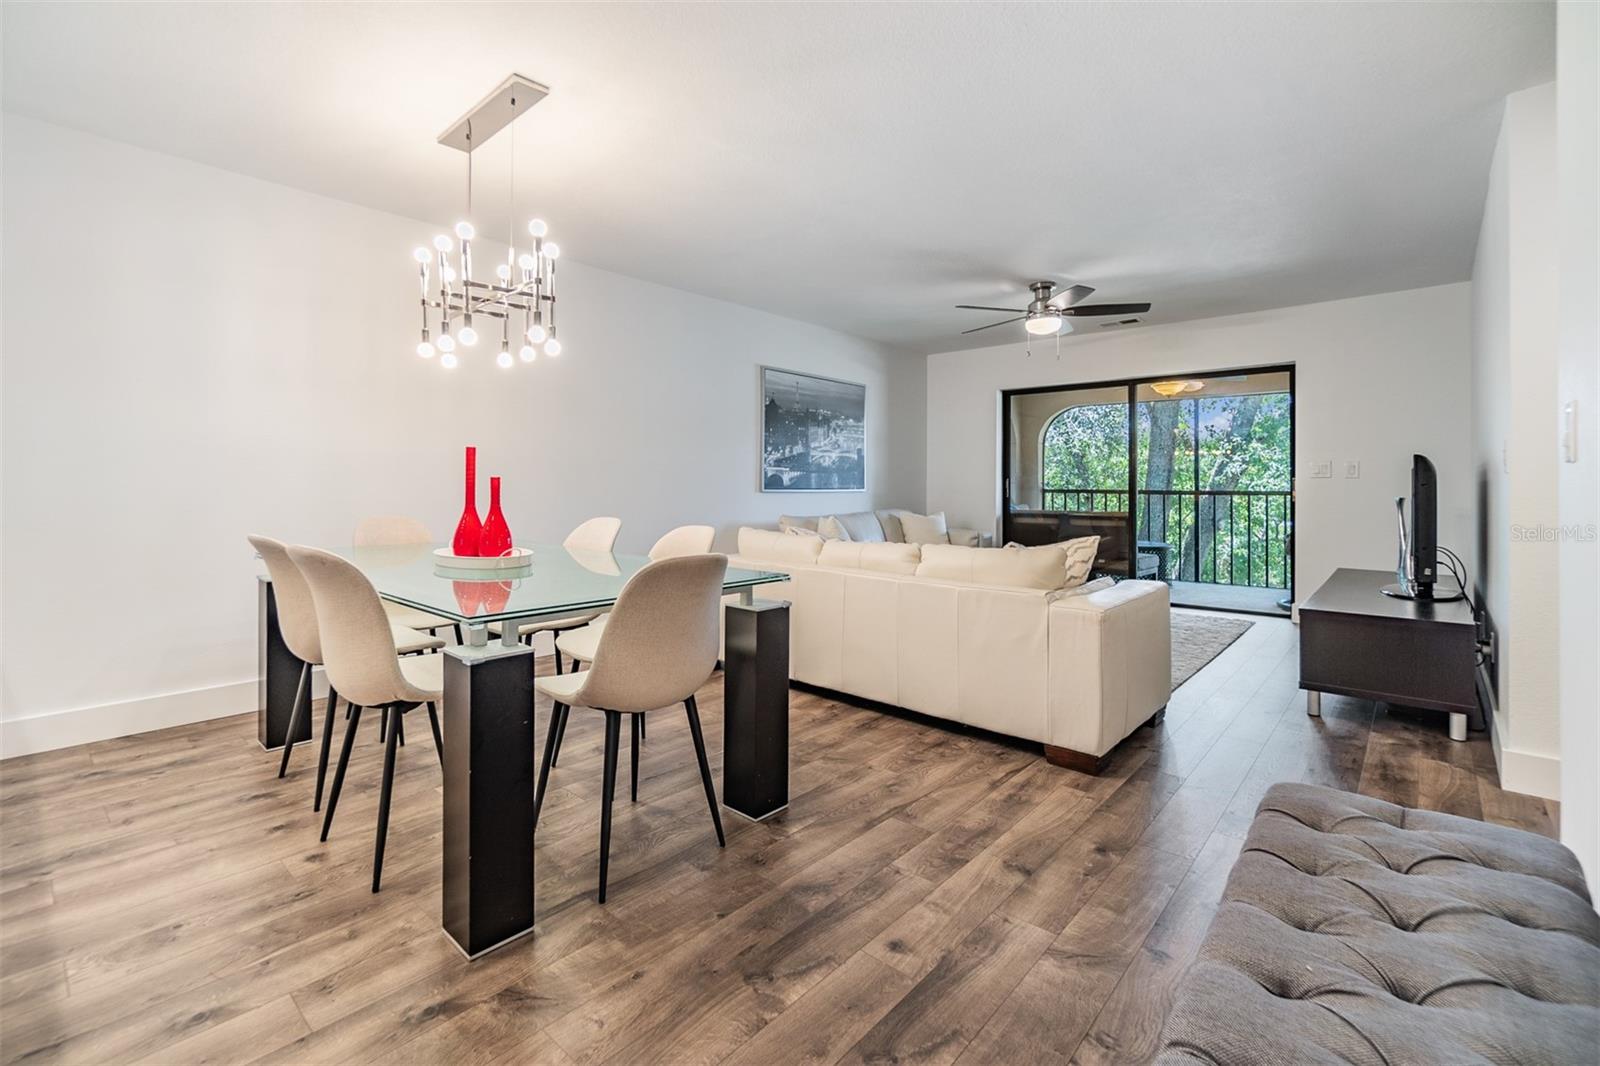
[1578, 176]
[1515, 286]
[190, 355]
[1377, 378]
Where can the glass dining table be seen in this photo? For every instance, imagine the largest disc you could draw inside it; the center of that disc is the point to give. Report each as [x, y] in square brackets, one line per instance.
[488, 712]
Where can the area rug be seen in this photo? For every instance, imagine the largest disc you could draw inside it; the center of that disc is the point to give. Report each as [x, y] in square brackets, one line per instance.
[1199, 638]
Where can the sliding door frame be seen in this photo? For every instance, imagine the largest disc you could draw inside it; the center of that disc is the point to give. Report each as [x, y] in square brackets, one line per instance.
[1131, 384]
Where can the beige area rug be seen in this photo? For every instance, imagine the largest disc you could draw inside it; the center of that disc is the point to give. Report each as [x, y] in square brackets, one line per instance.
[1199, 638]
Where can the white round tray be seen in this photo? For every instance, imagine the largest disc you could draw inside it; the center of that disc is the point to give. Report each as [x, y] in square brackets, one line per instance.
[515, 559]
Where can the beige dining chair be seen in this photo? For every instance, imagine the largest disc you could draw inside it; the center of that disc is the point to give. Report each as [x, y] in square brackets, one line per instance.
[297, 620]
[659, 647]
[580, 644]
[362, 663]
[596, 535]
[393, 531]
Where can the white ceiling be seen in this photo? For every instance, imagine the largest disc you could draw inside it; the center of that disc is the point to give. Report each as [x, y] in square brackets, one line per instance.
[862, 166]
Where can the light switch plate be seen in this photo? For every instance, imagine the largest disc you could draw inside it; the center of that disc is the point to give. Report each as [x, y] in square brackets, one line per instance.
[1322, 468]
[1352, 468]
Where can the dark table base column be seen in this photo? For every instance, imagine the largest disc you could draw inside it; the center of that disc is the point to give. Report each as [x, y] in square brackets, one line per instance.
[278, 674]
[488, 795]
[755, 709]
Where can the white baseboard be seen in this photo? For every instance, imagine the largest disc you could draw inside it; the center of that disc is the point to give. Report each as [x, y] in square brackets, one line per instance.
[85, 725]
[1530, 773]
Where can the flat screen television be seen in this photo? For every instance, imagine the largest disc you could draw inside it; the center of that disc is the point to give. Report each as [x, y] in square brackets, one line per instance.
[1418, 564]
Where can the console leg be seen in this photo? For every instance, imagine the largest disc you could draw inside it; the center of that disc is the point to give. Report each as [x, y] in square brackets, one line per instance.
[1458, 726]
[1314, 703]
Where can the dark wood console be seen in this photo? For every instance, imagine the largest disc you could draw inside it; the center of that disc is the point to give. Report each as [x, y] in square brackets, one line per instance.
[1355, 641]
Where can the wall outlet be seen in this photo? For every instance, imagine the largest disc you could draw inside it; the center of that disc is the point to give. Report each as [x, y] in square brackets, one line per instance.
[1322, 468]
[1352, 468]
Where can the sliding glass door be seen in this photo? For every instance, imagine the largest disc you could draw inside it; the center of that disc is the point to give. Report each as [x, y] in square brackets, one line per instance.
[1186, 480]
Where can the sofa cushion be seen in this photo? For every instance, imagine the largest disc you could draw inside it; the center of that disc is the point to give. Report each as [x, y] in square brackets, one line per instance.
[1041, 568]
[770, 546]
[925, 529]
[830, 528]
[1354, 930]
[787, 522]
[883, 558]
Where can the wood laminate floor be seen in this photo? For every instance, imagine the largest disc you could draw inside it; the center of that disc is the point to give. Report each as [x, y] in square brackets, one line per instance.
[929, 896]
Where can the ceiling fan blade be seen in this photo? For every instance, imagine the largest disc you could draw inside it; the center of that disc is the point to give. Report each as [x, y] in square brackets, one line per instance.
[982, 307]
[991, 325]
[1106, 309]
[1067, 297]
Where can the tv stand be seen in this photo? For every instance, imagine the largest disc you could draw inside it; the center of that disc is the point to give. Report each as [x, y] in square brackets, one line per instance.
[1355, 641]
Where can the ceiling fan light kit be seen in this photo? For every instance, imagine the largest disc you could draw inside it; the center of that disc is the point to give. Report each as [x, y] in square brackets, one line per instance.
[1170, 389]
[524, 285]
[1049, 311]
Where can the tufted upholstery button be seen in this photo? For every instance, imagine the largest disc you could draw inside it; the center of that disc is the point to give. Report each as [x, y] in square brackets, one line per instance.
[1354, 930]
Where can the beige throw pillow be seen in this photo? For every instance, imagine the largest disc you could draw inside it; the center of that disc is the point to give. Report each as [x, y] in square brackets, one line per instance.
[1080, 559]
[924, 529]
[832, 529]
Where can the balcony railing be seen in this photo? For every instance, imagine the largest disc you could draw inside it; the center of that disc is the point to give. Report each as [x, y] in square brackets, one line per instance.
[1212, 536]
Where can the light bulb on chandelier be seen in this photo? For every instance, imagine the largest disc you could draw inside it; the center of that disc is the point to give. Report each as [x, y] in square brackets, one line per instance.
[522, 288]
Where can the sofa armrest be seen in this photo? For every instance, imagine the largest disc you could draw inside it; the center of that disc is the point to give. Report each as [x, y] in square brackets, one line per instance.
[1110, 664]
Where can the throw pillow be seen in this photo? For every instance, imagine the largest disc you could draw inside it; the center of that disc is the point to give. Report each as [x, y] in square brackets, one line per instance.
[801, 531]
[925, 529]
[789, 523]
[1080, 559]
[831, 528]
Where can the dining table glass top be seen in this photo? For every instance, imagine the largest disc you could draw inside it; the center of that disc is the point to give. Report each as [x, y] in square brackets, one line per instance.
[555, 581]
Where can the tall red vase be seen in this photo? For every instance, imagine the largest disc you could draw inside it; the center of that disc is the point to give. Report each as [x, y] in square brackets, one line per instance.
[496, 538]
[469, 531]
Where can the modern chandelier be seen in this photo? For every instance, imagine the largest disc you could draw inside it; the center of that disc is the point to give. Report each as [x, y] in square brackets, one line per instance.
[523, 292]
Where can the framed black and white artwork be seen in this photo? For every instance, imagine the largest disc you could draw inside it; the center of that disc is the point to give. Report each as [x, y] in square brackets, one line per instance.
[813, 433]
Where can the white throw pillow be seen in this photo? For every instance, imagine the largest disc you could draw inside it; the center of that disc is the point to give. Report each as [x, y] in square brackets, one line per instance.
[1080, 559]
[832, 529]
[789, 523]
[925, 529]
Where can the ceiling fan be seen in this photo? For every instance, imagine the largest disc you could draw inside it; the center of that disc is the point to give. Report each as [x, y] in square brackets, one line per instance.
[1049, 310]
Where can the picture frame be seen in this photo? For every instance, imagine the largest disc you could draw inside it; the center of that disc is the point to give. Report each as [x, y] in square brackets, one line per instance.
[813, 433]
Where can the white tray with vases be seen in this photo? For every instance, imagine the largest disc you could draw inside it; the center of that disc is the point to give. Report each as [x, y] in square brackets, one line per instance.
[516, 558]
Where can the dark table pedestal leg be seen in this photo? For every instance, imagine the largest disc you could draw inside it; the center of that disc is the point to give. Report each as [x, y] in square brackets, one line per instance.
[755, 709]
[488, 795]
[278, 675]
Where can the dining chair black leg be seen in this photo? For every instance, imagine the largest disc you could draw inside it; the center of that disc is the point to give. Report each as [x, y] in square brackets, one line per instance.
[705, 767]
[327, 743]
[302, 708]
[338, 773]
[383, 800]
[383, 724]
[438, 738]
[641, 728]
[545, 763]
[399, 721]
[634, 762]
[558, 660]
[607, 787]
[459, 638]
[561, 733]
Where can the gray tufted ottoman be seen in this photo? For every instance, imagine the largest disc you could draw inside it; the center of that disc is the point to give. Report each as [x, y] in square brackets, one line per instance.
[1355, 930]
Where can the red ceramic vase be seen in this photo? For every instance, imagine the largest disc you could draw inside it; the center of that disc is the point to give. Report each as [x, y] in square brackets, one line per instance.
[496, 538]
[469, 531]
[469, 596]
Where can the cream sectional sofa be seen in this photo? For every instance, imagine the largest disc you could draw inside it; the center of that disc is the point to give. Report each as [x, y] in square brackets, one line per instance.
[973, 635]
